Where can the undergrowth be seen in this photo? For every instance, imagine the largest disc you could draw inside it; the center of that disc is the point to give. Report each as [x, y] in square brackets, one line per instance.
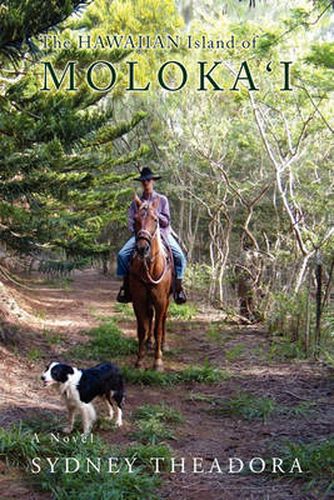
[250, 407]
[152, 422]
[106, 341]
[19, 448]
[317, 463]
[203, 374]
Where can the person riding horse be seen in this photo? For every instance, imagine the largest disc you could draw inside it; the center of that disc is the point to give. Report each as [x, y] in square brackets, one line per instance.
[147, 178]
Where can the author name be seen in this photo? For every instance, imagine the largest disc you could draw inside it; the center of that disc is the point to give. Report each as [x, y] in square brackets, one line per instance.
[173, 465]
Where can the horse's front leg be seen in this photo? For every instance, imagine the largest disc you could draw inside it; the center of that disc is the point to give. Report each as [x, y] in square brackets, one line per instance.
[149, 343]
[164, 345]
[158, 335]
[143, 324]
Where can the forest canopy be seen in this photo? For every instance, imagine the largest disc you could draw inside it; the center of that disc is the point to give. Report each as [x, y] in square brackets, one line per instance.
[248, 169]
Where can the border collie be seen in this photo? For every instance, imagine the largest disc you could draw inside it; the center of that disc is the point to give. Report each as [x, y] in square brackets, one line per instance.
[80, 387]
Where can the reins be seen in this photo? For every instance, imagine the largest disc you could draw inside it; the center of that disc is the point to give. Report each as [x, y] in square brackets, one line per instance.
[151, 280]
[146, 235]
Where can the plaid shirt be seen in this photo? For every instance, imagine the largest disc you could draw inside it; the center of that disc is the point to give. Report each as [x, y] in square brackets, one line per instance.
[162, 211]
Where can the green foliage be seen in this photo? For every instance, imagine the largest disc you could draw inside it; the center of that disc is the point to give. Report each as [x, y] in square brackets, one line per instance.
[216, 333]
[322, 54]
[162, 412]
[288, 322]
[317, 462]
[144, 453]
[147, 377]
[62, 178]
[234, 352]
[283, 349]
[201, 374]
[247, 406]
[302, 409]
[18, 447]
[327, 344]
[124, 310]
[251, 407]
[53, 338]
[197, 276]
[34, 354]
[152, 431]
[20, 21]
[185, 313]
[152, 422]
[106, 342]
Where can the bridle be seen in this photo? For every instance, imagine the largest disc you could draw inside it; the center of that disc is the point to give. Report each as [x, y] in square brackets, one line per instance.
[143, 234]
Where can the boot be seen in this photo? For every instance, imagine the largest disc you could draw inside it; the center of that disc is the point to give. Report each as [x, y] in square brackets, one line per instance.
[124, 295]
[179, 294]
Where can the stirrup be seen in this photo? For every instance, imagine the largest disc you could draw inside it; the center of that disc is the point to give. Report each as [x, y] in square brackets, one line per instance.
[180, 297]
[123, 296]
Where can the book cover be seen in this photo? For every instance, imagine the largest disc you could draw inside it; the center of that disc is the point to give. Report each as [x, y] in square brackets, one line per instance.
[166, 218]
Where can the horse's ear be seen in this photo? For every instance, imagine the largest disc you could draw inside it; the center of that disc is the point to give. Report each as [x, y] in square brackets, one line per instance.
[137, 201]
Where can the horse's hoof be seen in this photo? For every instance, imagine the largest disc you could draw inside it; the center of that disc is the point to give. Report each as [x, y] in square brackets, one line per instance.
[158, 366]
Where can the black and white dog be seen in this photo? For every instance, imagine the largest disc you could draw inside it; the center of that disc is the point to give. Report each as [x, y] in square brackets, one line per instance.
[80, 387]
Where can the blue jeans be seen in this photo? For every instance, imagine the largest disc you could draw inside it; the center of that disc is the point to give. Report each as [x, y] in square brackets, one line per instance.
[124, 256]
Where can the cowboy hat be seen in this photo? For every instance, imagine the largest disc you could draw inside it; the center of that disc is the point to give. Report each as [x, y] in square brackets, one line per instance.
[146, 174]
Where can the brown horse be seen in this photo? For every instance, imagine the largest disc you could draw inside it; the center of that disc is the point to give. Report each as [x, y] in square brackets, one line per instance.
[150, 281]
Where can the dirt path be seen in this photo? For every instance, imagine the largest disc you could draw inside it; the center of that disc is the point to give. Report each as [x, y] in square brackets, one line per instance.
[298, 396]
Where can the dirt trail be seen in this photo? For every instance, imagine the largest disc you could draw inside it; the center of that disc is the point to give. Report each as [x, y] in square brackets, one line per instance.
[61, 317]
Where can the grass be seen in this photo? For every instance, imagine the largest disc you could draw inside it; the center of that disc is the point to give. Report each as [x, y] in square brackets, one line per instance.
[217, 333]
[106, 341]
[60, 282]
[147, 377]
[235, 352]
[152, 422]
[125, 310]
[247, 406]
[203, 374]
[34, 354]
[260, 352]
[152, 431]
[145, 452]
[186, 312]
[162, 411]
[40, 314]
[53, 338]
[206, 398]
[214, 333]
[284, 349]
[18, 448]
[300, 410]
[251, 407]
[317, 462]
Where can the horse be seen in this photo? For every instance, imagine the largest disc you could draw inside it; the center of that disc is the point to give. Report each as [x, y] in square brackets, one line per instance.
[150, 281]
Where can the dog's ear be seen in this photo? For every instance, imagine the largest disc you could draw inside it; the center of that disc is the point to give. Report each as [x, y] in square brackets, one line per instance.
[61, 372]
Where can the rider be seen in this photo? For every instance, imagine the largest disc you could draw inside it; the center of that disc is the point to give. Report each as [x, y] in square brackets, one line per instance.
[147, 178]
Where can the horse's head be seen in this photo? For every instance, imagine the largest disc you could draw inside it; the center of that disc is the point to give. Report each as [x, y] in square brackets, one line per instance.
[146, 225]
